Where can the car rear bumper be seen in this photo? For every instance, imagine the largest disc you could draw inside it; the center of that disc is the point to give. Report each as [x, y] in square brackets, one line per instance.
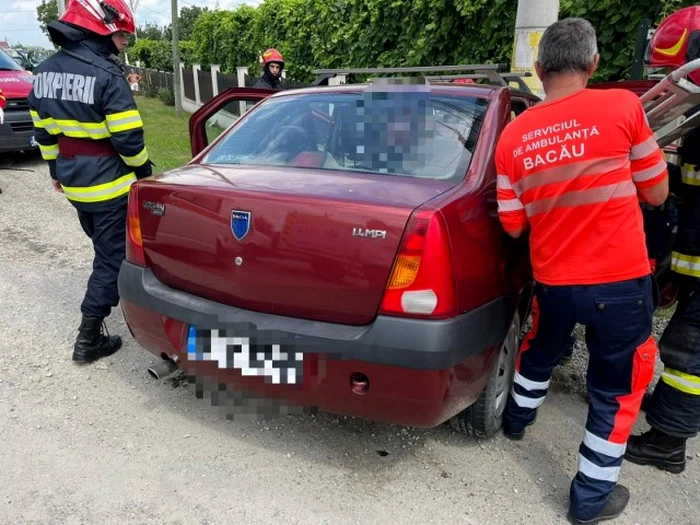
[17, 132]
[420, 372]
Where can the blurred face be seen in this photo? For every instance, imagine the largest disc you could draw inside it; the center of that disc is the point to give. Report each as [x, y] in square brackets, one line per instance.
[274, 68]
[120, 40]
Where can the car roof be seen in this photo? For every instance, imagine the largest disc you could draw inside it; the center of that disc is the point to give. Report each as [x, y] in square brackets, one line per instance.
[468, 90]
[478, 90]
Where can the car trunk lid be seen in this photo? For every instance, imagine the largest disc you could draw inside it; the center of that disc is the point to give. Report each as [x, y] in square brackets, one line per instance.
[288, 241]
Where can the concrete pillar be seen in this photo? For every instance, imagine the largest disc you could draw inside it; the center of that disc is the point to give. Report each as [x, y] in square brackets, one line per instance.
[195, 69]
[533, 17]
[241, 72]
[182, 84]
[337, 80]
[215, 79]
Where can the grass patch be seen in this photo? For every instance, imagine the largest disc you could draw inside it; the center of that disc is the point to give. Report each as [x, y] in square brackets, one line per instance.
[167, 137]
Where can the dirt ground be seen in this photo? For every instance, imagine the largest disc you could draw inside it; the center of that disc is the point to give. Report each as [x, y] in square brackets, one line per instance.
[108, 444]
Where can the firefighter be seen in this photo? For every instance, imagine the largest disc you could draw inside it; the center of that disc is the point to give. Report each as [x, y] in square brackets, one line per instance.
[91, 135]
[571, 171]
[3, 102]
[273, 64]
[674, 408]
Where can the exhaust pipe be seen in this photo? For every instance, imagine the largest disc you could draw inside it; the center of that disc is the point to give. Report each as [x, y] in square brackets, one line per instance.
[162, 368]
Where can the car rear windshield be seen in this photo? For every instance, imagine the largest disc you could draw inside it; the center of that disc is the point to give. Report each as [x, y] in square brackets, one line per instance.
[415, 134]
[6, 63]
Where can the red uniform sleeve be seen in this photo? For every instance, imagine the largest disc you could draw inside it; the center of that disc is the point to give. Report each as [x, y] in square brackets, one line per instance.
[510, 209]
[2, 100]
[648, 162]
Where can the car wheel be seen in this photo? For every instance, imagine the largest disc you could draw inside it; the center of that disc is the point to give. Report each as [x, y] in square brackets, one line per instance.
[484, 417]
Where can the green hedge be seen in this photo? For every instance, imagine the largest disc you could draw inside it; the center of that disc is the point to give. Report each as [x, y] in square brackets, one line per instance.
[158, 54]
[365, 33]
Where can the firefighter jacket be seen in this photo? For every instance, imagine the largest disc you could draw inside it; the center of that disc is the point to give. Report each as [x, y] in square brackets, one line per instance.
[267, 81]
[87, 124]
[686, 254]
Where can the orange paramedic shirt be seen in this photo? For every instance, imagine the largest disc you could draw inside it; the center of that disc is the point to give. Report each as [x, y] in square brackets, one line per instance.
[571, 168]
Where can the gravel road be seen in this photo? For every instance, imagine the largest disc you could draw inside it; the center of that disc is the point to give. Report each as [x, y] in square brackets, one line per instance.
[108, 444]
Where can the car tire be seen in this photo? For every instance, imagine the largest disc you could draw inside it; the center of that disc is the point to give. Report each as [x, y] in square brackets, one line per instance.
[483, 418]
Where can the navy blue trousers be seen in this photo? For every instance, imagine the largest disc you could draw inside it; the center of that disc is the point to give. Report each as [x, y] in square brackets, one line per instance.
[107, 230]
[618, 321]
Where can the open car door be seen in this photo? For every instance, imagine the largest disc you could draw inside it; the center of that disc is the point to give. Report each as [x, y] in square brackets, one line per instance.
[217, 115]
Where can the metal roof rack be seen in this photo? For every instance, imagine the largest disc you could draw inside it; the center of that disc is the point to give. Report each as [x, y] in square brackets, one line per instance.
[496, 74]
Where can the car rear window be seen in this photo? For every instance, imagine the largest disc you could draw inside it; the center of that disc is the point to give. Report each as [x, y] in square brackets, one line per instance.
[415, 134]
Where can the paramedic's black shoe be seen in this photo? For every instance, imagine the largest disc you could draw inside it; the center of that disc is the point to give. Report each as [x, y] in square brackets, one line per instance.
[657, 449]
[516, 436]
[92, 344]
[617, 502]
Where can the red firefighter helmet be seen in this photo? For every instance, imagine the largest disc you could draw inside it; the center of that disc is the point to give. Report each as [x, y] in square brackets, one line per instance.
[272, 55]
[676, 41]
[103, 17]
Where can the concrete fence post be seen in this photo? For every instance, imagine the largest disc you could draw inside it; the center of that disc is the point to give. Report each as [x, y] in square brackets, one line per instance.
[195, 70]
[182, 84]
[215, 68]
[241, 72]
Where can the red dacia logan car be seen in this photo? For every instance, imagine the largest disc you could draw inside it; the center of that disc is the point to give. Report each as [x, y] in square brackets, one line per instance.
[338, 248]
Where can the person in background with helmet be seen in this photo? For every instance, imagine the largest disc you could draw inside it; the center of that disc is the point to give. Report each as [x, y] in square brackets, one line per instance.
[91, 135]
[577, 192]
[673, 411]
[272, 64]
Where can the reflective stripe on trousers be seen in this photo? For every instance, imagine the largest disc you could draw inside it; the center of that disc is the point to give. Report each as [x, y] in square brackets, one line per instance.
[685, 264]
[686, 383]
[101, 192]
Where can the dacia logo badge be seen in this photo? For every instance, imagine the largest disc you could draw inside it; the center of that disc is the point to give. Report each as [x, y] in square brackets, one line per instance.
[240, 223]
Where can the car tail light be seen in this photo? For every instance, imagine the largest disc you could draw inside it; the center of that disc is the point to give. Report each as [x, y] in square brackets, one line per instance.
[134, 243]
[422, 279]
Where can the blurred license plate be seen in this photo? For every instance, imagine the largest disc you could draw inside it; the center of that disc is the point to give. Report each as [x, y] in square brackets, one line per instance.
[273, 362]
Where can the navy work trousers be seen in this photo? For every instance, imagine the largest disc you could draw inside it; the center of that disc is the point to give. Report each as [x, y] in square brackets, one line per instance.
[675, 406]
[107, 230]
[618, 321]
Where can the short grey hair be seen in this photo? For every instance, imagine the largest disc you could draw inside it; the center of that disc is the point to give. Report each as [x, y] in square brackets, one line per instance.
[567, 46]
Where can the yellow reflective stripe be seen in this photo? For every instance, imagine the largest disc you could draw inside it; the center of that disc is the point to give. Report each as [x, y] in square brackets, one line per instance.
[137, 160]
[685, 264]
[40, 123]
[689, 175]
[49, 152]
[124, 121]
[36, 119]
[686, 383]
[101, 192]
[77, 129]
[73, 128]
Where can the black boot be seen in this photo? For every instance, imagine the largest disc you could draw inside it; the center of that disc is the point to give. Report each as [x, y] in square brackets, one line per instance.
[657, 449]
[617, 502]
[91, 344]
[516, 436]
